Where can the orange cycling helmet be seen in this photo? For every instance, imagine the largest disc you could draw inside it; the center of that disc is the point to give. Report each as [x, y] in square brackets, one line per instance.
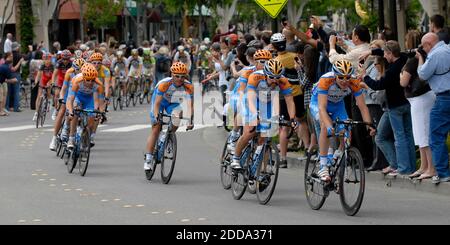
[89, 72]
[262, 54]
[179, 68]
[96, 57]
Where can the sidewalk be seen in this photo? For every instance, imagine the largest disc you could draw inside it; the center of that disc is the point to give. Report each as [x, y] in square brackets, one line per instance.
[296, 161]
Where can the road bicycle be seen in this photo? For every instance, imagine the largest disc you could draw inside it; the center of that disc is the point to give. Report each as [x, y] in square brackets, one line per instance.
[165, 152]
[346, 173]
[259, 171]
[82, 142]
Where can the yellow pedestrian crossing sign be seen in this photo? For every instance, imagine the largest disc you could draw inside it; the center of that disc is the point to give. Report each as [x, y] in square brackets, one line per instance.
[272, 7]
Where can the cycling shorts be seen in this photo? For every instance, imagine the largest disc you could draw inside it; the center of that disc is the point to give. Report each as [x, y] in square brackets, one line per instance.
[166, 107]
[85, 102]
[334, 110]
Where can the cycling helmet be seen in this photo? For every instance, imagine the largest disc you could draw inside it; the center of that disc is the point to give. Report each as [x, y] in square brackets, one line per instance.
[78, 53]
[262, 54]
[119, 53]
[66, 54]
[273, 68]
[203, 47]
[278, 41]
[78, 63]
[180, 48]
[89, 72]
[343, 68]
[179, 68]
[96, 57]
[134, 52]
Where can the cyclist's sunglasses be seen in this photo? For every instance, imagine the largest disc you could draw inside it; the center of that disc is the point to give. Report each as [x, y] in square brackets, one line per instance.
[262, 62]
[96, 62]
[273, 77]
[346, 78]
[180, 76]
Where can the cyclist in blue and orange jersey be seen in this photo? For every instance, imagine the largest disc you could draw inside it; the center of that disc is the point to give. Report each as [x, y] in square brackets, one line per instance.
[257, 59]
[44, 79]
[327, 105]
[263, 90]
[62, 65]
[166, 98]
[104, 75]
[66, 87]
[86, 88]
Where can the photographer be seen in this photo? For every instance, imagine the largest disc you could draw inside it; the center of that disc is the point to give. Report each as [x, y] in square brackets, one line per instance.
[421, 98]
[436, 70]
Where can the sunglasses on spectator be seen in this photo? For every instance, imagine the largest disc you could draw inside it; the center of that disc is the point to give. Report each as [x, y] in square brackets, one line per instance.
[343, 78]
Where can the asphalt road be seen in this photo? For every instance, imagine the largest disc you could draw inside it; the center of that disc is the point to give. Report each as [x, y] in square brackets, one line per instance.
[35, 187]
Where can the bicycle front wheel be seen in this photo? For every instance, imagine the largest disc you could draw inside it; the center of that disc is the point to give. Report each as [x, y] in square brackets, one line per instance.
[169, 158]
[85, 151]
[225, 169]
[239, 177]
[267, 174]
[314, 188]
[352, 182]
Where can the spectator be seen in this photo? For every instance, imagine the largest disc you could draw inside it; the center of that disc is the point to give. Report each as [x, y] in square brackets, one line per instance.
[13, 101]
[183, 56]
[290, 40]
[436, 25]
[8, 42]
[400, 153]
[421, 98]
[360, 38]
[436, 70]
[6, 76]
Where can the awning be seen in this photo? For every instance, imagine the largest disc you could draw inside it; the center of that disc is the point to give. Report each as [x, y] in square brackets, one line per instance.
[70, 11]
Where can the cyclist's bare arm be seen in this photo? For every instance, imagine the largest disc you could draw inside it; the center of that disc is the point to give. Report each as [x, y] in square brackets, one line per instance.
[158, 100]
[290, 105]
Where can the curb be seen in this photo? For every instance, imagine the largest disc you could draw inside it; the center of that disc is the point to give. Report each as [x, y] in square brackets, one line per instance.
[380, 179]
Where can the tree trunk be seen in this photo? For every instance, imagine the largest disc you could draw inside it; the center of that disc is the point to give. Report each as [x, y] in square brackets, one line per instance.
[226, 13]
[5, 20]
[295, 12]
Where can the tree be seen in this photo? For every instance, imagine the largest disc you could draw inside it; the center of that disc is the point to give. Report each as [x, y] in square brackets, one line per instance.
[6, 16]
[103, 13]
[224, 11]
[26, 24]
[43, 11]
[295, 10]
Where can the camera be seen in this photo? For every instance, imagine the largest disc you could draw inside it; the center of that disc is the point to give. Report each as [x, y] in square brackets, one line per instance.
[412, 52]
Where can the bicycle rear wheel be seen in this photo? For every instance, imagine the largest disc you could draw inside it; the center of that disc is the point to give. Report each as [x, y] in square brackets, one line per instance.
[239, 177]
[314, 188]
[225, 169]
[267, 174]
[115, 93]
[44, 111]
[352, 182]
[85, 151]
[38, 110]
[169, 158]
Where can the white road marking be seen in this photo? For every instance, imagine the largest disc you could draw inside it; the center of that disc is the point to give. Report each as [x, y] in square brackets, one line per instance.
[18, 128]
[128, 128]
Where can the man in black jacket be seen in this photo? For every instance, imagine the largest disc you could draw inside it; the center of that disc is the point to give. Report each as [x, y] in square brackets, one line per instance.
[400, 152]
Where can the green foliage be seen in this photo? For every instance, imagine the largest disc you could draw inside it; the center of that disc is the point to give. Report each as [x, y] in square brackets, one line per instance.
[413, 14]
[102, 13]
[323, 7]
[26, 24]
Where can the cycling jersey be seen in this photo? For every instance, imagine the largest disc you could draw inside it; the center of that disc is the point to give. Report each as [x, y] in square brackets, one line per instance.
[335, 95]
[257, 82]
[47, 73]
[172, 96]
[240, 86]
[133, 65]
[119, 66]
[61, 72]
[203, 58]
[83, 94]
[103, 74]
[70, 74]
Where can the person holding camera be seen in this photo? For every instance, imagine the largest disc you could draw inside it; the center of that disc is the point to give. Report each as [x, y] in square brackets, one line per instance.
[436, 70]
[421, 98]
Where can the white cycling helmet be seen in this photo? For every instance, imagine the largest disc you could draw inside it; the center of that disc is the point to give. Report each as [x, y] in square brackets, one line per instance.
[180, 48]
[206, 41]
[277, 37]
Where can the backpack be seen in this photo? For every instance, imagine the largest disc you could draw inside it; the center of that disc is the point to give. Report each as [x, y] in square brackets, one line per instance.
[163, 64]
